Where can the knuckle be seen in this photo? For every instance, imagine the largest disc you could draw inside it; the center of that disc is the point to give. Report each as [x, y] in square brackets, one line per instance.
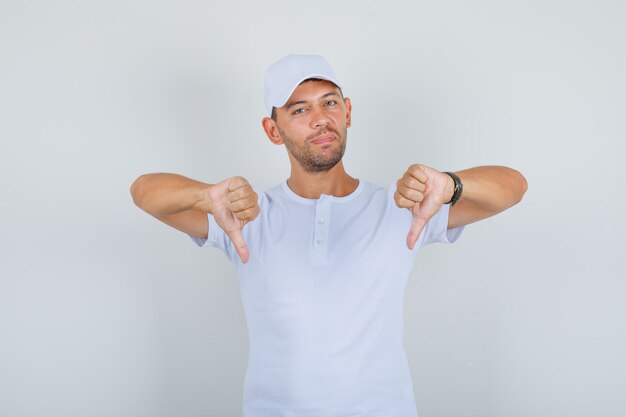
[248, 214]
[236, 182]
[234, 196]
[239, 206]
[403, 202]
[415, 168]
[234, 206]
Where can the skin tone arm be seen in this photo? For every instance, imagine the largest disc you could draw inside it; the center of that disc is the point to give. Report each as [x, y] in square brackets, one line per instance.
[183, 203]
[487, 191]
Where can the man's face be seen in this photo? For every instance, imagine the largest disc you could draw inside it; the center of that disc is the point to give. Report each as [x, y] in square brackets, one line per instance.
[313, 125]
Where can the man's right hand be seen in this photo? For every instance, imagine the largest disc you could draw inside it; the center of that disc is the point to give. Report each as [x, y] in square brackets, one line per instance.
[233, 204]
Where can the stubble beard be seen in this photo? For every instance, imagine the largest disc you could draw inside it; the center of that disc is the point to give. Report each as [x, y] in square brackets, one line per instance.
[311, 161]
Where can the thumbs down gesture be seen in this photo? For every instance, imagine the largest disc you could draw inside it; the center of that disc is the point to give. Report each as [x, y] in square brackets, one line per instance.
[422, 190]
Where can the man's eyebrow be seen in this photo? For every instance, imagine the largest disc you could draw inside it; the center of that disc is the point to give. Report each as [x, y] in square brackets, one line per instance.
[294, 103]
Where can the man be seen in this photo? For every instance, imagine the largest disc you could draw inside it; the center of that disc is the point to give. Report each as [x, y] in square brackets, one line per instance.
[323, 258]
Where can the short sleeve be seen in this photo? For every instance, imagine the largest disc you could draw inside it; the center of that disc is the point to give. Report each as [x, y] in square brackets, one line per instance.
[217, 238]
[436, 231]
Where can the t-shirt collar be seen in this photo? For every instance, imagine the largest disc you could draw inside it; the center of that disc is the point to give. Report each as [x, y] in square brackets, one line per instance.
[323, 197]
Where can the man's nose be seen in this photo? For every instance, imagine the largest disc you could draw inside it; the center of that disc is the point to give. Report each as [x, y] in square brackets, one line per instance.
[318, 117]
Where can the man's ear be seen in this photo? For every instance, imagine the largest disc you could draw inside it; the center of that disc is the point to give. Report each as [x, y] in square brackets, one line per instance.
[348, 104]
[271, 130]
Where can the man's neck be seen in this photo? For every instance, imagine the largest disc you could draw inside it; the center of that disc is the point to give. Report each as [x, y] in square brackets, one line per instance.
[334, 182]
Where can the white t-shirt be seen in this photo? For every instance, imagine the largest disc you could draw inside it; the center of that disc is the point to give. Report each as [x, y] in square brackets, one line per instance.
[323, 296]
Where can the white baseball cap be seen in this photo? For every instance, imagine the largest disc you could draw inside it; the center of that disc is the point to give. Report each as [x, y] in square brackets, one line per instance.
[282, 77]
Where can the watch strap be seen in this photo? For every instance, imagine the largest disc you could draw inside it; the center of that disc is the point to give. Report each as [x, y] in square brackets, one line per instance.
[458, 188]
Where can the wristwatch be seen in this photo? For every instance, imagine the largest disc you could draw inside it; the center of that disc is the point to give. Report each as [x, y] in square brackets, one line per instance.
[458, 188]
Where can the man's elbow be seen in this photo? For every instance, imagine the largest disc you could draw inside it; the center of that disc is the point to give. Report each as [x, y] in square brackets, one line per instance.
[136, 190]
[521, 188]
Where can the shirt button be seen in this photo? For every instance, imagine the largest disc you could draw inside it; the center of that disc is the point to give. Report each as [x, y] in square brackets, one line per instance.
[321, 221]
[319, 241]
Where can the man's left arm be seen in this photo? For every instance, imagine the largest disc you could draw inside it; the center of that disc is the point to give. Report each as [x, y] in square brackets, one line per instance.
[487, 190]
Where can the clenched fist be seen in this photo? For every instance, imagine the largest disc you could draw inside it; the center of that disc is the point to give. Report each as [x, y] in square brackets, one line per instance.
[233, 204]
[423, 191]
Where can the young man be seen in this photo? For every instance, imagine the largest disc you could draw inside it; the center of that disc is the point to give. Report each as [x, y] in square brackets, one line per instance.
[323, 258]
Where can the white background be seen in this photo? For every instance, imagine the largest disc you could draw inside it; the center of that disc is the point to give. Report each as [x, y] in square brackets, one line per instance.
[106, 312]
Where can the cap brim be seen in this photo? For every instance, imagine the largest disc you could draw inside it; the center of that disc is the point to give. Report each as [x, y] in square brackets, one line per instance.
[282, 99]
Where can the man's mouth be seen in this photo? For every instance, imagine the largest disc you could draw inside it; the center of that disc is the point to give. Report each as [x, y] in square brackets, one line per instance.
[326, 138]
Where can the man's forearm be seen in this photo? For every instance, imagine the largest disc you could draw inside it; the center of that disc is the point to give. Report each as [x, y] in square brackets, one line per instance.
[163, 194]
[492, 188]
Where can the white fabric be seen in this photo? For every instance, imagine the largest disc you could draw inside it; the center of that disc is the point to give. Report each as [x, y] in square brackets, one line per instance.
[323, 296]
[282, 77]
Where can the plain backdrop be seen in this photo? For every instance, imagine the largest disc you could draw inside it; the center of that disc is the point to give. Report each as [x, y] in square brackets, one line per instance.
[104, 311]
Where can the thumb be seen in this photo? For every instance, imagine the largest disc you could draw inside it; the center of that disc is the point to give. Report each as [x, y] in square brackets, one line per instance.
[240, 244]
[414, 233]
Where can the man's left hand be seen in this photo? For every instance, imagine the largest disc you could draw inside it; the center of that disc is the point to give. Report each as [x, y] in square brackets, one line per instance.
[422, 190]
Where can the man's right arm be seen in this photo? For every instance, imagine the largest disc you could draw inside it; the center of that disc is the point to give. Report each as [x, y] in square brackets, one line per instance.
[178, 201]
[183, 203]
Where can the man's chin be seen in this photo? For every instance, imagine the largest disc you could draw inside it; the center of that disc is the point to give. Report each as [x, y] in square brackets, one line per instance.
[321, 166]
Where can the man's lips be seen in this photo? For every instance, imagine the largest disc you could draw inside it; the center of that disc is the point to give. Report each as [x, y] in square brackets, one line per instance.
[324, 139]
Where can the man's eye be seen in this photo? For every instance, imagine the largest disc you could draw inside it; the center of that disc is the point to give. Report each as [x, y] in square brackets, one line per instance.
[298, 111]
[331, 103]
